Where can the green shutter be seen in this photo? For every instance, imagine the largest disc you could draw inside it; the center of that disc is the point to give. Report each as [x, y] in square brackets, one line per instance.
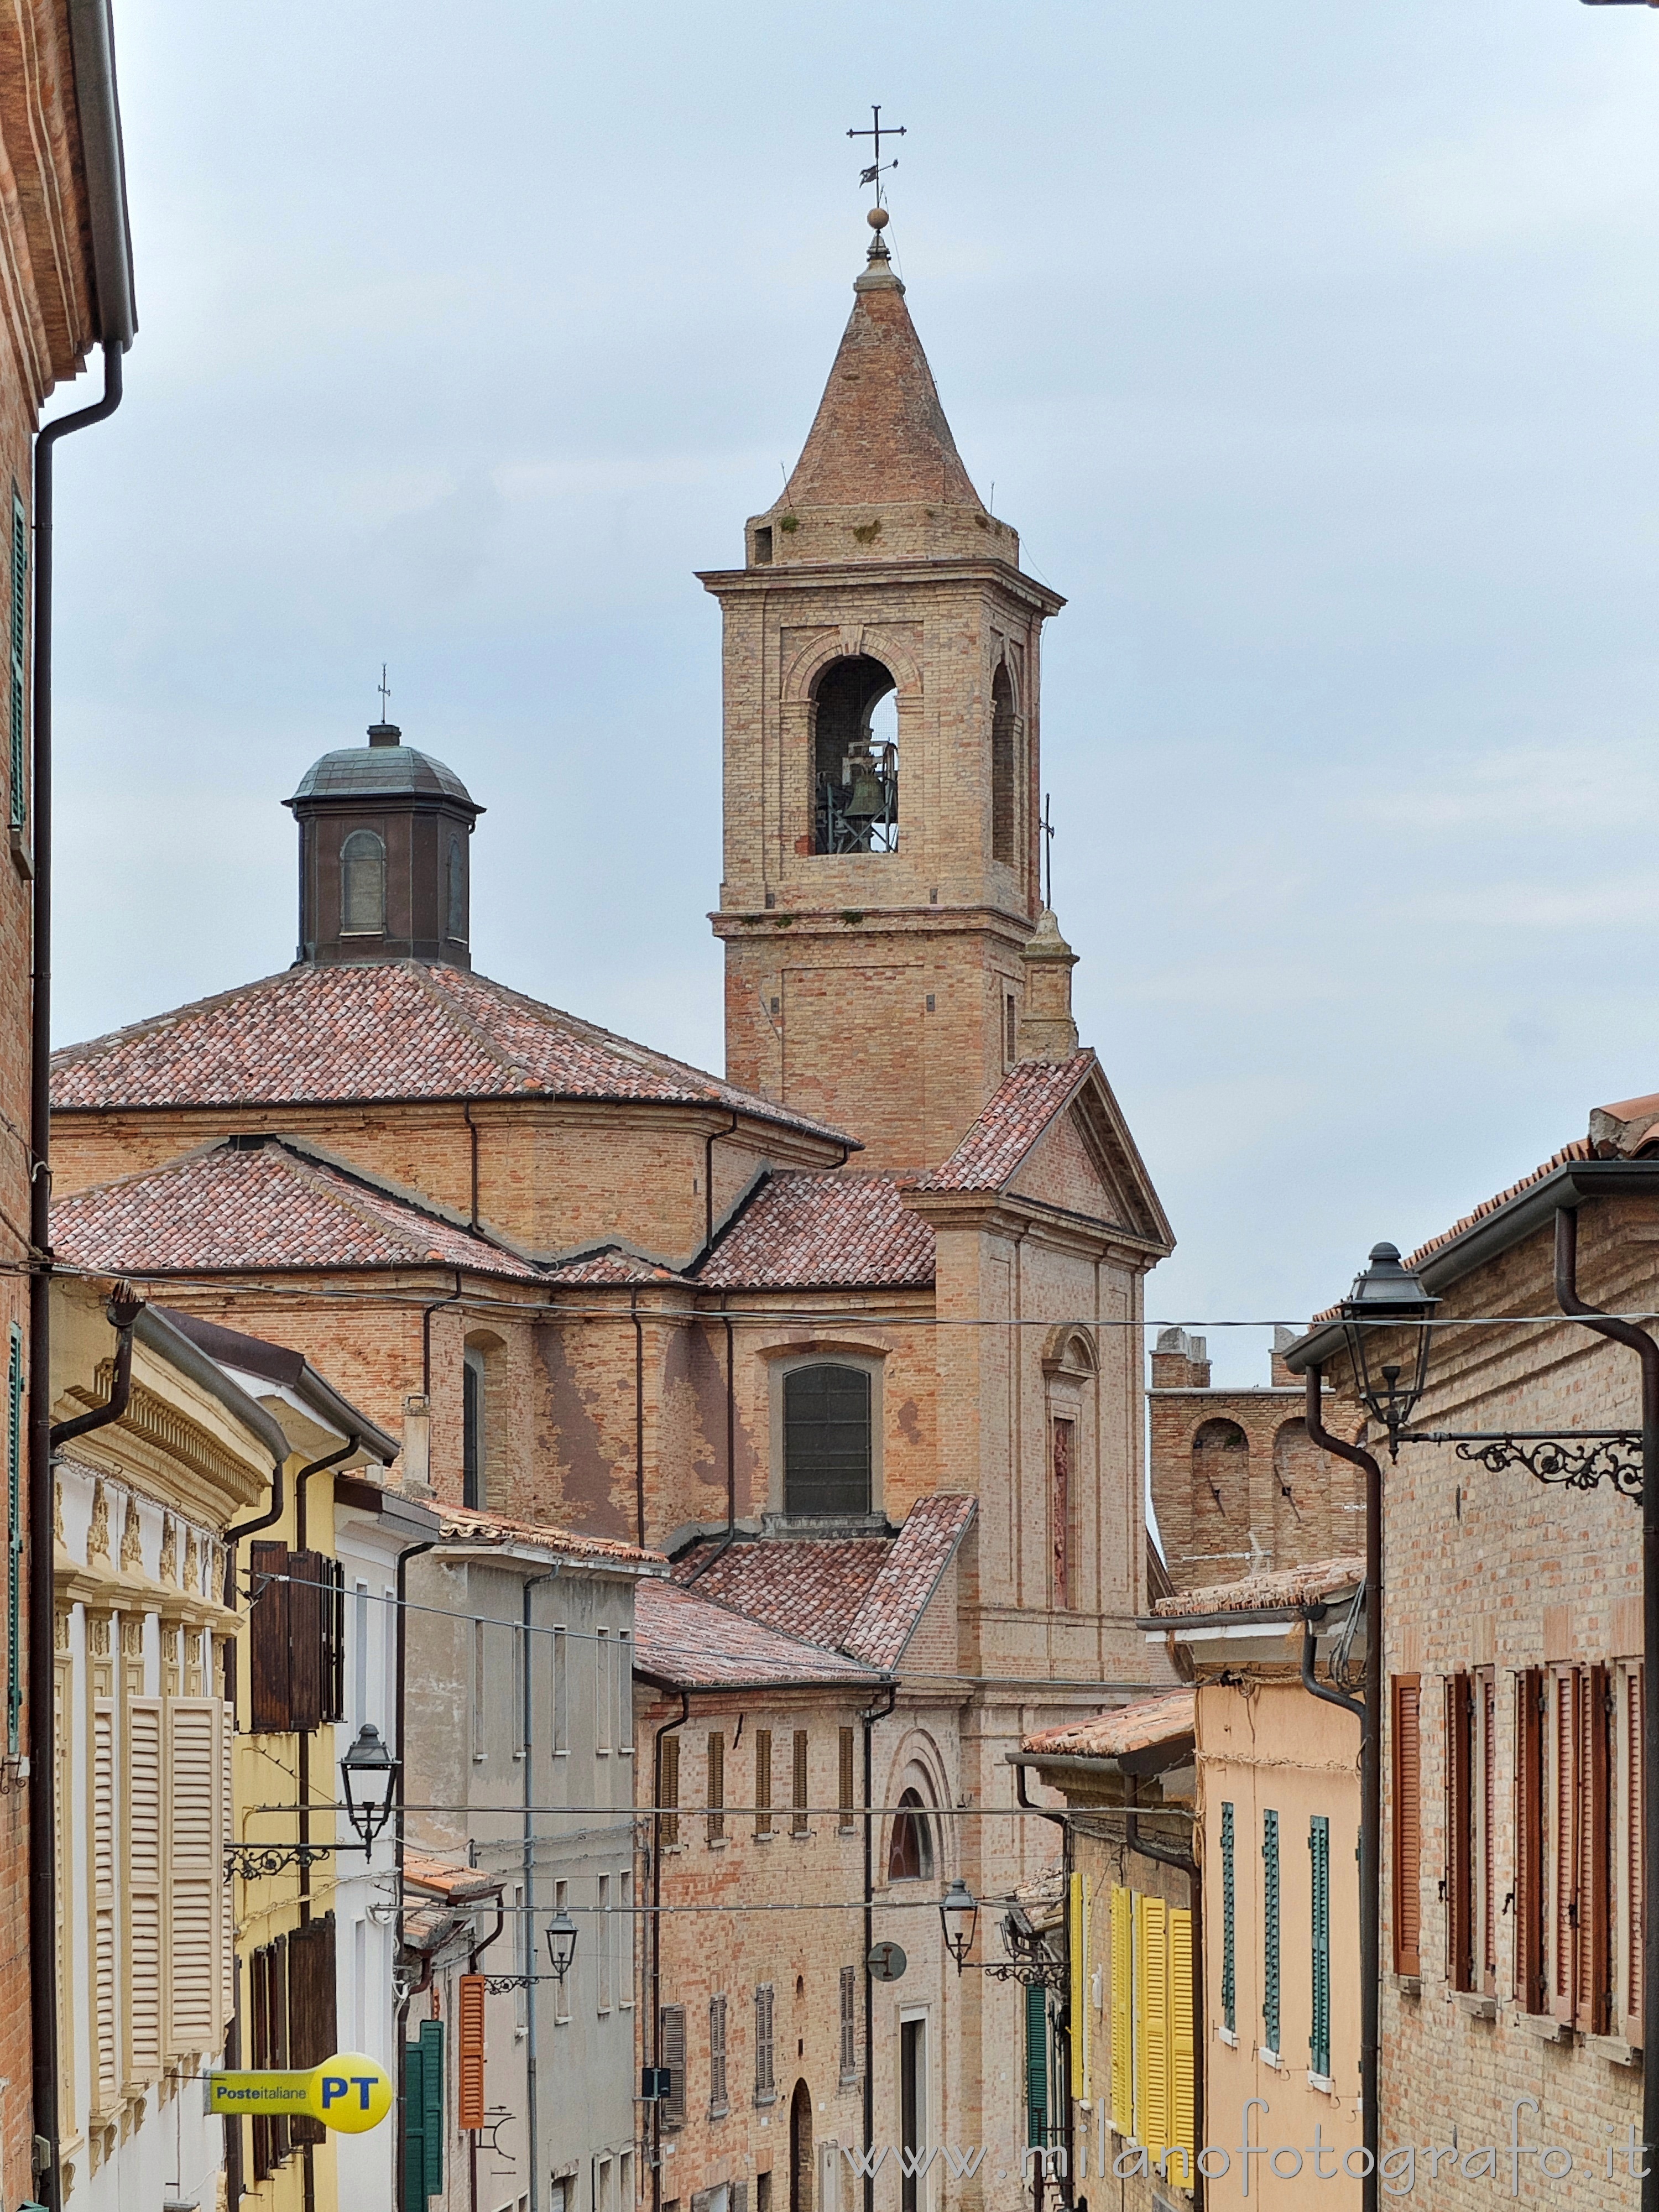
[1319, 1844]
[19, 638]
[1037, 2065]
[1270, 1928]
[432, 2042]
[414, 2127]
[13, 1541]
[1229, 1946]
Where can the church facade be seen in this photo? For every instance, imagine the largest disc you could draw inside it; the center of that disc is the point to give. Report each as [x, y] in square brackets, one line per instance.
[852, 1334]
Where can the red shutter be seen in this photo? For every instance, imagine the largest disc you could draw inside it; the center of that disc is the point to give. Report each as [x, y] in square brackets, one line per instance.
[469, 2049]
[1407, 1824]
[1459, 1841]
[1564, 1845]
[1529, 1840]
[1488, 1691]
[1594, 1854]
[1634, 1865]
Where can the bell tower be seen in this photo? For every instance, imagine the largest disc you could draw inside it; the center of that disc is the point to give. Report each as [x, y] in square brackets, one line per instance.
[881, 769]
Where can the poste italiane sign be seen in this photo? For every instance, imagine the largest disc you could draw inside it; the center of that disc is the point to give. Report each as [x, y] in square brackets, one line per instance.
[348, 2092]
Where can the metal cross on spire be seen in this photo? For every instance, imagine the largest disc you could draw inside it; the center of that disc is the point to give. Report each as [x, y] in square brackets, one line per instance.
[1048, 852]
[873, 175]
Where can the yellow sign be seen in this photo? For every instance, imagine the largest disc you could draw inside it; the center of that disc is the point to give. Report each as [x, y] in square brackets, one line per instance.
[348, 2092]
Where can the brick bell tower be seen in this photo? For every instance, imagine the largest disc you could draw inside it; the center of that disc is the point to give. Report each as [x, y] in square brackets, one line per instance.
[881, 689]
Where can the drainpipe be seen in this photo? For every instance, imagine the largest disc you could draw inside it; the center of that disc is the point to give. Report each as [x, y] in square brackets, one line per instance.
[400, 2114]
[668, 1728]
[472, 1133]
[731, 1535]
[639, 1413]
[426, 1344]
[1638, 1341]
[478, 1949]
[531, 2083]
[710, 1142]
[870, 1718]
[1371, 1784]
[1310, 1681]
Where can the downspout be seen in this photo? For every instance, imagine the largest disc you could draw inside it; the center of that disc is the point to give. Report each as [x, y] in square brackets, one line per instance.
[655, 2027]
[1638, 1341]
[1370, 1782]
[478, 1949]
[869, 1719]
[639, 1413]
[531, 2083]
[1310, 1681]
[426, 1343]
[731, 1535]
[472, 1133]
[709, 1143]
[399, 2080]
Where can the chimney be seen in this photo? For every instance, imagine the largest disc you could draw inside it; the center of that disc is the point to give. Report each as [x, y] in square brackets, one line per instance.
[1047, 1030]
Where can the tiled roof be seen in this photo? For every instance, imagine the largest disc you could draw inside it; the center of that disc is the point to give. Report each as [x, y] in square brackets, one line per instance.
[1279, 1592]
[694, 1643]
[1010, 1123]
[225, 1209]
[463, 1522]
[395, 1028]
[611, 1265]
[1139, 1726]
[459, 1885]
[1578, 1149]
[861, 1594]
[804, 1231]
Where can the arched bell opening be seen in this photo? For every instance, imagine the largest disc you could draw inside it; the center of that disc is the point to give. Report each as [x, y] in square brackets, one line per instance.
[855, 757]
[1004, 769]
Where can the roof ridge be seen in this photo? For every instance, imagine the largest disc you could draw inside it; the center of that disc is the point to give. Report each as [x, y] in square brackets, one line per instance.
[395, 1194]
[323, 1179]
[894, 1564]
[446, 1005]
[68, 1054]
[784, 1635]
[1082, 1060]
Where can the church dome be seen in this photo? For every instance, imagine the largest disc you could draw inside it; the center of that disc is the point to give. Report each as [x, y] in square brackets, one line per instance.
[383, 768]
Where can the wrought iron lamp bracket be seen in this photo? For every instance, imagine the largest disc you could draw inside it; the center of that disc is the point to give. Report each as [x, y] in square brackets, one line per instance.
[253, 1861]
[1029, 1973]
[1583, 1461]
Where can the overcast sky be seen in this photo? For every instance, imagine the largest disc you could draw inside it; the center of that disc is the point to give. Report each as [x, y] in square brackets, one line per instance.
[1314, 350]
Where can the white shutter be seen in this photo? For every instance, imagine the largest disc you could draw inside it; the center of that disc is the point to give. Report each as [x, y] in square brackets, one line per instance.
[226, 1975]
[105, 2028]
[143, 1830]
[194, 1872]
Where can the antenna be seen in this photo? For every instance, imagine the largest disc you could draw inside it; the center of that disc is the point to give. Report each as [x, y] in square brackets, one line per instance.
[1048, 852]
[385, 691]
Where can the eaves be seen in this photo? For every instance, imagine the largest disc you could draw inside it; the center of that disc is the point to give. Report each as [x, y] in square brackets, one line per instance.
[838, 576]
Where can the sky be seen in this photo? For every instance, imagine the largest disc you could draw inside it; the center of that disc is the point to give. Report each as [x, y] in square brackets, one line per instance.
[1314, 351]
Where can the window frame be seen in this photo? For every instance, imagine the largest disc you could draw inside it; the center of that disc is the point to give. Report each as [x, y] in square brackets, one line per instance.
[790, 1362]
[347, 860]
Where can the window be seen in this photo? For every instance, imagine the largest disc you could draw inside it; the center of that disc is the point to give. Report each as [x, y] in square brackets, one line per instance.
[1580, 1916]
[1460, 1832]
[20, 645]
[469, 2053]
[607, 1945]
[1631, 1794]
[472, 1428]
[561, 1695]
[1010, 1029]
[668, 1788]
[765, 2083]
[1221, 1477]
[423, 2110]
[826, 1441]
[717, 2104]
[625, 1913]
[1407, 1825]
[1062, 1446]
[480, 1682]
[1270, 1896]
[1229, 1927]
[1004, 770]
[716, 1757]
[847, 1798]
[604, 1695]
[1530, 1712]
[801, 1826]
[359, 1658]
[624, 1694]
[362, 885]
[762, 1782]
[849, 2036]
[13, 1541]
[562, 1990]
[526, 1964]
[910, 1854]
[1485, 1807]
[763, 546]
[296, 1669]
[1319, 1852]
[856, 762]
[670, 2053]
[455, 889]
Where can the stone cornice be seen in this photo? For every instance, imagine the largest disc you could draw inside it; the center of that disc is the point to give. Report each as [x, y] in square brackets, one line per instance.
[1007, 1214]
[112, 1589]
[838, 576]
[751, 923]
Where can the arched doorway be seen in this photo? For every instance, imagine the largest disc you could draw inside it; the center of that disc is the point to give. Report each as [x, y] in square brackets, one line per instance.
[801, 2150]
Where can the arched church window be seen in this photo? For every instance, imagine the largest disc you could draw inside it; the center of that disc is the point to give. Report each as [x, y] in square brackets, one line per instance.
[1004, 769]
[911, 1853]
[362, 885]
[855, 759]
[826, 1441]
[472, 1428]
[455, 886]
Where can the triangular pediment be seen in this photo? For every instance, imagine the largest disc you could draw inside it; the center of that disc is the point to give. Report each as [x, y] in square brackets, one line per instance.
[1085, 1162]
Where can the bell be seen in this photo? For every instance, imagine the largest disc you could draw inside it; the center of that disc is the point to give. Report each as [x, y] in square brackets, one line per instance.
[868, 800]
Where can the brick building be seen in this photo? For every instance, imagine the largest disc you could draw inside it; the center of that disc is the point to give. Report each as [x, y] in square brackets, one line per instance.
[892, 1262]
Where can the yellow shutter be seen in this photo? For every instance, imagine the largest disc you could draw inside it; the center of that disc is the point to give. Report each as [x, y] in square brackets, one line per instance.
[1180, 2037]
[143, 1827]
[1153, 2070]
[193, 1873]
[105, 2093]
[1079, 1970]
[1123, 1931]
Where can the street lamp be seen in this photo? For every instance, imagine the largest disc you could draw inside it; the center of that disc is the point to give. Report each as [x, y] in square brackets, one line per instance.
[561, 1944]
[958, 1916]
[370, 1775]
[1389, 1296]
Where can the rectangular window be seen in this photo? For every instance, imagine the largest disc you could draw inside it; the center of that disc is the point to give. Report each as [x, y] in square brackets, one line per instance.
[607, 1944]
[13, 1541]
[624, 1692]
[717, 2104]
[1459, 1831]
[604, 1693]
[1634, 1884]
[480, 1689]
[1062, 1449]
[716, 1749]
[360, 1653]
[762, 1782]
[517, 1642]
[668, 1789]
[1122, 1927]
[562, 1990]
[848, 1799]
[1319, 1852]
[1229, 1927]
[1593, 1918]
[799, 1825]
[1270, 1896]
[561, 1694]
[670, 2053]
[1529, 1952]
[20, 642]
[1485, 1807]
[765, 2086]
[1566, 1737]
[527, 1964]
[1009, 1031]
[849, 2032]
[1407, 1825]
[625, 1918]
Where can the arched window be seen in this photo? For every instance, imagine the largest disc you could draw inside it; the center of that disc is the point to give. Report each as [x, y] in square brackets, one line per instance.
[854, 764]
[455, 888]
[362, 885]
[911, 1853]
[802, 2194]
[826, 1441]
[1301, 1500]
[472, 1428]
[1004, 769]
[1221, 1469]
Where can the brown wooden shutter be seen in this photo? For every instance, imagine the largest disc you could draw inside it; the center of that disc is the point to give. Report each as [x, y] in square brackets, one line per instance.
[1407, 1824]
[847, 1797]
[668, 1759]
[1486, 1691]
[259, 2050]
[310, 1617]
[1635, 1863]
[672, 2047]
[1594, 1921]
[799, 1825]
[1566, 1799]
[762, 1782]
[1529, 1952]
[268, 1639]
[313, 2031]
[469, 2050]
[716, 1786]
[1460, 1840]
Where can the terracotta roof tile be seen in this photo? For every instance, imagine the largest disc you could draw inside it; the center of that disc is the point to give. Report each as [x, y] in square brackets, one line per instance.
[692, 1642]
[919, 1555]
[1012, 1121]
[838, 1231]
[225, 1209]
[1279, 1592]
[1138, 1727]
[464, 1522]
[398, 1029]
[611, 1265]
[459, 1885]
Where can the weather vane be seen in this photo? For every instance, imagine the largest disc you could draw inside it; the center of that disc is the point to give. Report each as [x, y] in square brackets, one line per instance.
[873, 175]
[385, 693]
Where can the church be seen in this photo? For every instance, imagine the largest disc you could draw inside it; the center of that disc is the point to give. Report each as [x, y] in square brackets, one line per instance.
[851, 1334]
